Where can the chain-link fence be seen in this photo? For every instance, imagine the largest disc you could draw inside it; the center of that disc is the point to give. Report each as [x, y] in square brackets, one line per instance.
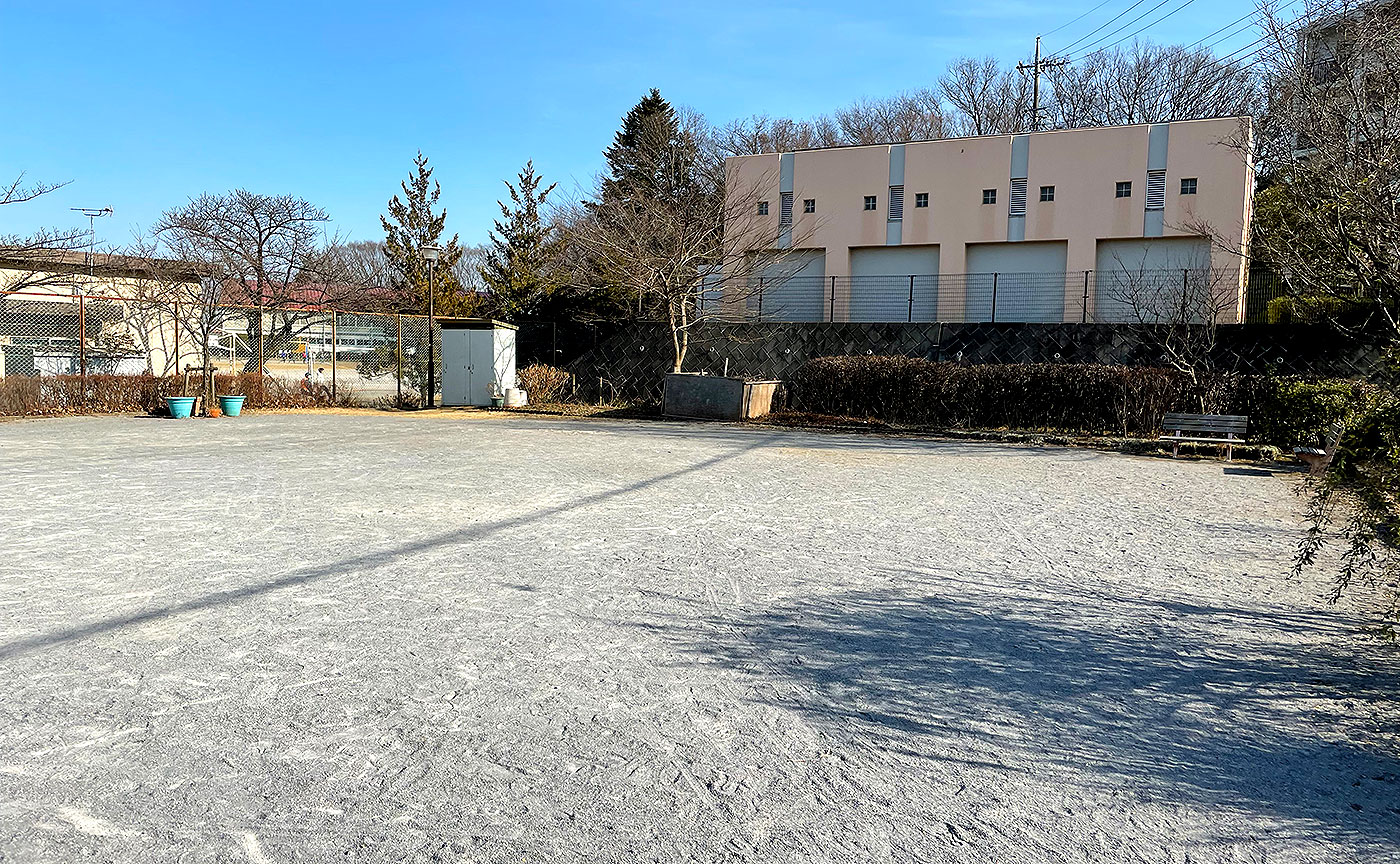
[325, 355]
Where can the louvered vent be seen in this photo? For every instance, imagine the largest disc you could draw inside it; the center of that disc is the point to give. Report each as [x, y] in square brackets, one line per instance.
[785, 217]
[1156, 190]
[1018, 197]
[896, 203]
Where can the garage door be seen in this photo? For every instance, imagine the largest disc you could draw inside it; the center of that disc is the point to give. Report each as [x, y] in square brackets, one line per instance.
[1135, 279]
[894, 283]
[792, 288]
[1016, 282]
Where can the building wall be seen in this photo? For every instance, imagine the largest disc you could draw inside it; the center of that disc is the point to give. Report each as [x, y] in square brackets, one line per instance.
[148, 327]
[1084, 166]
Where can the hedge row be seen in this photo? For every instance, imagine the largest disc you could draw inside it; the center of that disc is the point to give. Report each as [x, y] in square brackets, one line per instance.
[51, 395]
[1085, 398]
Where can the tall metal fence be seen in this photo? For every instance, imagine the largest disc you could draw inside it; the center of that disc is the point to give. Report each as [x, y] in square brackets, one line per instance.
[1118, 296]
[358, 357]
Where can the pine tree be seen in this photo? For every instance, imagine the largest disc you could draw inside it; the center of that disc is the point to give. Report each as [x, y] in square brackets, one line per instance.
[519, 264]
[409, 226]
[651, 154]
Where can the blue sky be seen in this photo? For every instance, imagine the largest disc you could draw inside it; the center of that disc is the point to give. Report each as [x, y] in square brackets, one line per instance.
[142, 104]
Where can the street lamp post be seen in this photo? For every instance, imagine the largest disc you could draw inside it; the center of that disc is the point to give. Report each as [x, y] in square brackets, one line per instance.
[429, 252]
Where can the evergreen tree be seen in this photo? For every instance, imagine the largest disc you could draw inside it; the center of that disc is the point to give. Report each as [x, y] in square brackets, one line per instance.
[651, 155]
[519, 265]
[410, 225]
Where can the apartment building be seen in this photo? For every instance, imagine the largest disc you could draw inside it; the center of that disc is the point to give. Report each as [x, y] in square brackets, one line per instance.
[1037, 227]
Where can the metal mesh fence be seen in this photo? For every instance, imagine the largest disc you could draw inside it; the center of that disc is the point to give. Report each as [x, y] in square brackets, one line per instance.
[1085, 297]
[331, 356]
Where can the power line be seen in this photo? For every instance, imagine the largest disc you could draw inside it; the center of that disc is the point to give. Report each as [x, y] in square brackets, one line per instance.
[1241, 19]
[1102, 26]
[1077, 20]
[1089, 49]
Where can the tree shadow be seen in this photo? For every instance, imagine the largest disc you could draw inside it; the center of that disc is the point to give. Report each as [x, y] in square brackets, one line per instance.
[370, 560]
[1136, 701]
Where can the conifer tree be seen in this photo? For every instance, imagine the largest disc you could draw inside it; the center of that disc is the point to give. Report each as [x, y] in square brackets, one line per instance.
[651, 155]
[410, 225]
[519, 268]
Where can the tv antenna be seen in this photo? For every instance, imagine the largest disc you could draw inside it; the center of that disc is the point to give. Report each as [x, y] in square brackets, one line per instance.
[92, 213]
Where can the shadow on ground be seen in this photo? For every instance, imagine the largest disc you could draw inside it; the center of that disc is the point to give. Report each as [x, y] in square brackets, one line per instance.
[1049, 687]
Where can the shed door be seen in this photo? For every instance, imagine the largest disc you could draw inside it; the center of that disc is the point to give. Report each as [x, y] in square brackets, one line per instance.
[455, 377]
[481, 366]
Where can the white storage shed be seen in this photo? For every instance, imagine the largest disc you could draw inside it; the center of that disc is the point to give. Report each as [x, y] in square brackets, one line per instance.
[478, 354]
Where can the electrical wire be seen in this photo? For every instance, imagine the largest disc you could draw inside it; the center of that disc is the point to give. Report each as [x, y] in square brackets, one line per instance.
[1091, 47]
[1100, 28]
[1077, 20]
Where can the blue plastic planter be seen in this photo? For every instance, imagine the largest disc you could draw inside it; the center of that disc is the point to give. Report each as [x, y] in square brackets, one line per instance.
[180, 406]
[231, 405]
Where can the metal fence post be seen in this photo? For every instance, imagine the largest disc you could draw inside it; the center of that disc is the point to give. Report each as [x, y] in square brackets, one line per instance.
[994, 297]
[262, 360]
[911, 298]
[1184, 277]
[175, 363]
[1084, 318]
[334, 344]
[398, 364]
[82, 350]
[833, 299]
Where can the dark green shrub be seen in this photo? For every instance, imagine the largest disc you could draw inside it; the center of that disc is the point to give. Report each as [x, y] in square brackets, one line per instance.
[1113, 400]
[1313, 310]
[1085, 398]
[1291, 411]
[52, 395]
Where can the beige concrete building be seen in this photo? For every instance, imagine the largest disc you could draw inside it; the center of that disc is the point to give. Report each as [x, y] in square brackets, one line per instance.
[120, 304]
[1045, 226]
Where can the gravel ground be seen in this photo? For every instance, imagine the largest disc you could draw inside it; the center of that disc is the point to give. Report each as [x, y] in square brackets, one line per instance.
[378, 637]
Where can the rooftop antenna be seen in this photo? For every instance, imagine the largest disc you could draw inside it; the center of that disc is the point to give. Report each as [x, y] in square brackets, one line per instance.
[92, 213]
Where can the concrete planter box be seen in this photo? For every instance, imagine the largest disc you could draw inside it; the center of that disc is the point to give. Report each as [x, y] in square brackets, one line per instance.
[710, 397]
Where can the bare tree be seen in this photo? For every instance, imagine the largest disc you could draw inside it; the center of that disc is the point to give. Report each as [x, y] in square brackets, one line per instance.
[913, 116]
[663, 226]
[985, 98]
[1180, 312]
[1329, 221]
[269, 250]
[26, 256]
[763, 134]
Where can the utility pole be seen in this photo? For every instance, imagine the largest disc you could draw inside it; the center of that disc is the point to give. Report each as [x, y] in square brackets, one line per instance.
[1035, 69]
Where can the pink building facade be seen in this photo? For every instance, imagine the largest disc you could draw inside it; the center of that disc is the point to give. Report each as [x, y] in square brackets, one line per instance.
[1048, 224]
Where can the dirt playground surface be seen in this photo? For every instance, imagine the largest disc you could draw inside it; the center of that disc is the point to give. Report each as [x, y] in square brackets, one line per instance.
[376, 637]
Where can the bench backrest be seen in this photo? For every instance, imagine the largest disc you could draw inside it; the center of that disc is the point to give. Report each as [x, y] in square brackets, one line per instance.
[1217, 424]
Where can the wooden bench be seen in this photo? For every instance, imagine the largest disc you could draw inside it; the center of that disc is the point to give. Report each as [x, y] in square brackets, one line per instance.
[1227, 429]
[1318, 458]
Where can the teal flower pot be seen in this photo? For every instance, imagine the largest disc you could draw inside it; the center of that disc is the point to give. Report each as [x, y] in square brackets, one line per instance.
[231, 405]
[180, 406]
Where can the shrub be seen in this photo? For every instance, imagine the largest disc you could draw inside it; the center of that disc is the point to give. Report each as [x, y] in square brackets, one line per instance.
[1313, 310]
[543, 383]
[1116, 400]
[1086, 398]
[53, 395]
[1292, 411]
